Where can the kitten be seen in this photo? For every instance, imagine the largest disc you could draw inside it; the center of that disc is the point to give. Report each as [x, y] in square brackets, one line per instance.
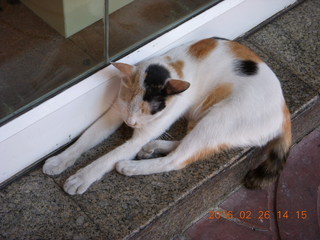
[229, 96]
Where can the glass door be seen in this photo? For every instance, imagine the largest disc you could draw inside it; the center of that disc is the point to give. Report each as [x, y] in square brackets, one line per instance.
[47, 46]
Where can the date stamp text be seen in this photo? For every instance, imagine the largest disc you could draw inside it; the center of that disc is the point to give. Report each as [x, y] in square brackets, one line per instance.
[261, 215]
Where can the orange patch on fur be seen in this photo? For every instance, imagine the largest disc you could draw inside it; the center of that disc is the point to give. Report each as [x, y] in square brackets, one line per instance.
[135, 80]
[178, 67]
[134, 85]
[219, 93]
[287, 134]
[191, 125]
[132, 88]
[125, 94]
[131, 82]
[203, 153]
[243, 52]
[202, 48]
[145, 108]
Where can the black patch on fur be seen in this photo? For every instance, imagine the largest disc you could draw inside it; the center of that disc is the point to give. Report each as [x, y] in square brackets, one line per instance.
[154, 83]
[267, 172]
[246, 67]
[156, 76]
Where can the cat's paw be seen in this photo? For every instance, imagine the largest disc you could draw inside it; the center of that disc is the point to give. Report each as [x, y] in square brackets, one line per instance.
[156, 149]
[147, 151]
[77, 183]
[129, 168]
[54, 166]
[145, 154]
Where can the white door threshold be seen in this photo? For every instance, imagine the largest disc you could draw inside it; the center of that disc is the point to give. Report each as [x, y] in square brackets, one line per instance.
[30, 137]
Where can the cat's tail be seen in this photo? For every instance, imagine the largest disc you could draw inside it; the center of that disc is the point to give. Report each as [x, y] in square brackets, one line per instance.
[277, 153]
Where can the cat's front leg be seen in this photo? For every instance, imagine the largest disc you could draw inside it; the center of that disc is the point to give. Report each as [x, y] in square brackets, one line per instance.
[80, 182]
[97, 132]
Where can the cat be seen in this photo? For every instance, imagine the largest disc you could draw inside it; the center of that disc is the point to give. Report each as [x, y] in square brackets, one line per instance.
[229, 96]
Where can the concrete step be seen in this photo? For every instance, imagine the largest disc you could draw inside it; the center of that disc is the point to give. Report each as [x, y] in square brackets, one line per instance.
[287, 209]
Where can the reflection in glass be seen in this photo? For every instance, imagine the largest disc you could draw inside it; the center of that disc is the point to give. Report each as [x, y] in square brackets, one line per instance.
[44, 48]
[143, 20]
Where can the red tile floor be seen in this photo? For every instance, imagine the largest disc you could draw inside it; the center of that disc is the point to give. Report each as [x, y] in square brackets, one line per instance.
[287, 210]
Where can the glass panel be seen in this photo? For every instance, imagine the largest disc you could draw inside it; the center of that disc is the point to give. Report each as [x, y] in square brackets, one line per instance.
[134, 22]
[46, 46]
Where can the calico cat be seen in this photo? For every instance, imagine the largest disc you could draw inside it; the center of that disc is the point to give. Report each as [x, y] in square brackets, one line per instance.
[229, 96]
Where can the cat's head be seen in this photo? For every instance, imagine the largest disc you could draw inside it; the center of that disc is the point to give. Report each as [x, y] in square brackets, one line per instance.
[145, 92]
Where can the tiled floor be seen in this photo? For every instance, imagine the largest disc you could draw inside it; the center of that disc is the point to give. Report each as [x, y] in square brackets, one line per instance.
[287, 210]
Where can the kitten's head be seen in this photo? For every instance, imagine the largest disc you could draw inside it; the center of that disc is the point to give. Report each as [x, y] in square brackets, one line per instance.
[145, 92]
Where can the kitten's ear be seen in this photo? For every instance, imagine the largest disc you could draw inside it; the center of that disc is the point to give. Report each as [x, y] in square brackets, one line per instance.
[126, 69]
[174, 86]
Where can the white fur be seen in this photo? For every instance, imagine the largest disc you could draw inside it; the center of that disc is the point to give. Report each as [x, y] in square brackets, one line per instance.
[251, 116]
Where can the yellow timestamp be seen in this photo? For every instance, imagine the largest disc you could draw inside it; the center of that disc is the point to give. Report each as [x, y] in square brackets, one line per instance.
[261, 215]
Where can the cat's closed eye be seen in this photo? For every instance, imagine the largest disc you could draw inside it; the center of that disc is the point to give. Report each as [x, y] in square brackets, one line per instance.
[157, 106]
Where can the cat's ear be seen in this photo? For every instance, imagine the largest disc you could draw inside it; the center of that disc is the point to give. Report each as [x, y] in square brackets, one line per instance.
[126, 69]
[174, 86]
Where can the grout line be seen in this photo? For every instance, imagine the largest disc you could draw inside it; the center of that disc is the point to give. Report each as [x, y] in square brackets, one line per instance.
[305, 135]
[274, 203]
[204, 213]
[63, 193]
[85, 51]
[305, 107]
